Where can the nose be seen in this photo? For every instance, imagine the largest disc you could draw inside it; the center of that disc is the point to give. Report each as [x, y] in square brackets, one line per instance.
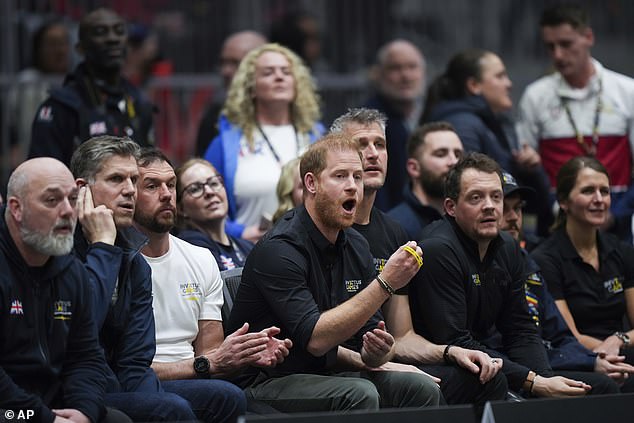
[453, 159]
[129, 188]
[370, 151]
[66, 209]
[165, 193]
[208, 191]
[556, 52]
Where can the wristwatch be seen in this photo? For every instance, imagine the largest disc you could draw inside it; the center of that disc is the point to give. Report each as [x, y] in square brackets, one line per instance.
[623, 337]
[202, 366]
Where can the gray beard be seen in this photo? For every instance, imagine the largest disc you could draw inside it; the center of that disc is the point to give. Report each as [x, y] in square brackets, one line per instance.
[47, 244]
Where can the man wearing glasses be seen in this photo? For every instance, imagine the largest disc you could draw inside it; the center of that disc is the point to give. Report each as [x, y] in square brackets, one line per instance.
[203, 208]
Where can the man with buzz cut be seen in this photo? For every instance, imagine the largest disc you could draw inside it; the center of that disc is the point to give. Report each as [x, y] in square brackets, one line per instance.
[313, 277]
[469, 376]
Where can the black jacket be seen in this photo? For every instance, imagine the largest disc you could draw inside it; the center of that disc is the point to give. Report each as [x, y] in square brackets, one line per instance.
[49, 350]
[74, 113]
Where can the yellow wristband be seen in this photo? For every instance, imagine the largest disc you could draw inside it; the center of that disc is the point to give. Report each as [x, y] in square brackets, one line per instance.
[413, 252]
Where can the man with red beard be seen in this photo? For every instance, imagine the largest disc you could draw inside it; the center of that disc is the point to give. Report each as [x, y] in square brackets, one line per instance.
[473, 282]
[187, 297]
[432, 150]
[313, 277]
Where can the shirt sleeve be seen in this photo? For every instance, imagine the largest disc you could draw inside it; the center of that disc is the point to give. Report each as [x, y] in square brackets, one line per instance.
[526, 127]
[212, 305]
[551, 271]
[53, 132]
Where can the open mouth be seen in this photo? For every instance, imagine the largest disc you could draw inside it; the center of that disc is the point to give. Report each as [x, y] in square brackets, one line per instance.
[349, 205]
[129, 207]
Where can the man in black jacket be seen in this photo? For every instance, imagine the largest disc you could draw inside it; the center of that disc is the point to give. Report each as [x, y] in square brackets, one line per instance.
[49, 352]
[95, 98]
[473, 279]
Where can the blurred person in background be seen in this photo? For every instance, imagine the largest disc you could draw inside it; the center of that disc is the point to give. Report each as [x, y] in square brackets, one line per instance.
[399, 79]
[290, 189]
[271, 115]
[51, 60]
[95, 99]
[202, 211]
[473, 94]
[234, 48]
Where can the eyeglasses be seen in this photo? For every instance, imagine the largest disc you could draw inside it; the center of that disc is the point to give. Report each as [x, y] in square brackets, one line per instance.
[196, 189]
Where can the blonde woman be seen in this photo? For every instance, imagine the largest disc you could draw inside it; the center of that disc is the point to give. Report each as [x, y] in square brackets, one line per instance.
[270, 117]
[290, 189]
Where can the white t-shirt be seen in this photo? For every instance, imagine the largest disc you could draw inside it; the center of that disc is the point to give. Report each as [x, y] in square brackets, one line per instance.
[186, 288]
[258, 171]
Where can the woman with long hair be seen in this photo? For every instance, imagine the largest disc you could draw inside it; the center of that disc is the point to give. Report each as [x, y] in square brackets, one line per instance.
[473, 94]
[590, 273]
[290, 189]
[270, 117]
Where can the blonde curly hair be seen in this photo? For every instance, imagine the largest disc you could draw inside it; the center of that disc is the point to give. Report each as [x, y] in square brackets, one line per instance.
[239, 107]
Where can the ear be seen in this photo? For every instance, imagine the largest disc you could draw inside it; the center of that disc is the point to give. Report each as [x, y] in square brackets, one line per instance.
[310, 183]
[589, 36]
[15, 208]
[450, 207]
[563, 205]
[473, 86]
[413, 168]
[80, 182]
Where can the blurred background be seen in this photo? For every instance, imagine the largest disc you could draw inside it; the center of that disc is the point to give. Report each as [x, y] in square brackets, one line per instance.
[175, 44]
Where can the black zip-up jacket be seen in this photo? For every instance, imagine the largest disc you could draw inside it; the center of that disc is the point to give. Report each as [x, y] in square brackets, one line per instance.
[461, 298]
[49, 350]
[78, 111]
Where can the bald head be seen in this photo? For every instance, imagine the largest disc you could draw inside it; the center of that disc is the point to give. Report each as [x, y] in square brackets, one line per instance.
[34, 171]
[401, 71]
[235, 47]
[41, 214]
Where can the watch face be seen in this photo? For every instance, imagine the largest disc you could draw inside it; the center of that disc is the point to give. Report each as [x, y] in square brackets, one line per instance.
[201, 365]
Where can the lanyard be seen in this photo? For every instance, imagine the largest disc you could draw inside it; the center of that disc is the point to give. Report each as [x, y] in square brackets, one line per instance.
[590, 150]
[237, 251]
[268, 142]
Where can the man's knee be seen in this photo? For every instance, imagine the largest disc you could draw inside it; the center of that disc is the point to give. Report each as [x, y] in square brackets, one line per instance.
[496, 388]
[357, 394]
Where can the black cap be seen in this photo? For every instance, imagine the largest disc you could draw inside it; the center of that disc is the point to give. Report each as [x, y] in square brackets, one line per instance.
[510, 186]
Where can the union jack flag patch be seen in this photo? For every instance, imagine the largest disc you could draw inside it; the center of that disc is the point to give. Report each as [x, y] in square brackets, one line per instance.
[16, 307]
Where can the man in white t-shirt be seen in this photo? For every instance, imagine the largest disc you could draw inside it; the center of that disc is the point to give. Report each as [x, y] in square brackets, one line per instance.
[187, 298]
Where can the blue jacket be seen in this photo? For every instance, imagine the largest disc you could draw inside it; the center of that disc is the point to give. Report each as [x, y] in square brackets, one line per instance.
[413, 215]
[49, 351]
[127, 334]
[223, 154]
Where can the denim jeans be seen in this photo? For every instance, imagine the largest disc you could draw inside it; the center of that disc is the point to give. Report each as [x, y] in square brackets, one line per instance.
[211, 400]
[207, 400]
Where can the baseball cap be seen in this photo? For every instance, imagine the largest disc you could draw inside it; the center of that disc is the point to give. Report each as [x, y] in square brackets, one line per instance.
[510, 186]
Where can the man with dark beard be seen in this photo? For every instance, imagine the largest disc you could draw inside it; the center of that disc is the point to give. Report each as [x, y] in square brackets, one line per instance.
[95, 98]
[50, 360]
[313, 277]
[187, 297]
[432, 150]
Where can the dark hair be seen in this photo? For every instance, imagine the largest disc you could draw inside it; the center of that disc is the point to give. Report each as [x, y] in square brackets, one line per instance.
[38, 38]
[477, 161]
[417, 138]
[567, 179]
[89, 157]
[452, 84]
[151, 155]
[565, 14]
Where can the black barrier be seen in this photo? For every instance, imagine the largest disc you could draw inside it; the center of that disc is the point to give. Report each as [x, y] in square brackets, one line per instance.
[458, 413]
[595, 408]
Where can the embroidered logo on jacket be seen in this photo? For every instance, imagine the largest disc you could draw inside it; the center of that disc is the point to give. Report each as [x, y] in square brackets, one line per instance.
[613, 285]
[16, 307]
[62, 310]
[353, 285]
[475, 278]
